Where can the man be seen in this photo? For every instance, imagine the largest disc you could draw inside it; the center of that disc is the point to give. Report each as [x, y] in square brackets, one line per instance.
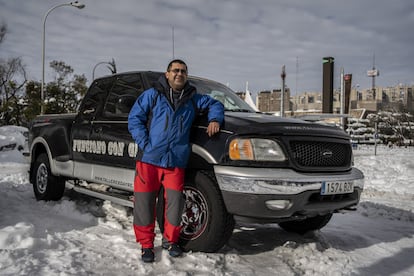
[160, 123]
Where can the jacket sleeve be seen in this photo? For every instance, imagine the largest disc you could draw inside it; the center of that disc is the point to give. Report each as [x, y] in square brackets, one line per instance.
[138, 118]
[214, 107]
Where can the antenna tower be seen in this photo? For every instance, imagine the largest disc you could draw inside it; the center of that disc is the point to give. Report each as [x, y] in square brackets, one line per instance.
[373, 73]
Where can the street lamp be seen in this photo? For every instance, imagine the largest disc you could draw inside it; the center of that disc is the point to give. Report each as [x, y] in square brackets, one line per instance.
[75, 4]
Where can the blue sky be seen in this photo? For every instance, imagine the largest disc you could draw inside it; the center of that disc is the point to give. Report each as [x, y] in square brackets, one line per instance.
[230, 41]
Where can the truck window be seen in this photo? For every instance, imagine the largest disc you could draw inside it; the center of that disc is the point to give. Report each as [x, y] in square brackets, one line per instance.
[93, 102]
[222, 93]
[122, 96]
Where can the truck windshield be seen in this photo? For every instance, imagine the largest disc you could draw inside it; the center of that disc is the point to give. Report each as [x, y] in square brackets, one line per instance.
[222, 93]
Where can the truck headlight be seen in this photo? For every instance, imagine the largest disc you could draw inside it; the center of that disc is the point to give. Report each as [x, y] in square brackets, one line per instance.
[256, 149]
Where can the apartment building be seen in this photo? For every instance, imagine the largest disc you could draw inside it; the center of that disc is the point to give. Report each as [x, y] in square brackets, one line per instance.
[395, 98]
[270, 101]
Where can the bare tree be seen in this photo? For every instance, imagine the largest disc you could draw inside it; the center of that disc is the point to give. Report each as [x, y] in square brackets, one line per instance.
[12, 76]
[12, 80]
[3, 31]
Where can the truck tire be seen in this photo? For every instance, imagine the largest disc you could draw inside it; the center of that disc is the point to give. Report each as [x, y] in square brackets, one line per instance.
[45, 185]
[303, 226]
[206, 225]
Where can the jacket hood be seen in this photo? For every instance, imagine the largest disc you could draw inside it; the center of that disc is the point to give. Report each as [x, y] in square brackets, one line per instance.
[163, 87]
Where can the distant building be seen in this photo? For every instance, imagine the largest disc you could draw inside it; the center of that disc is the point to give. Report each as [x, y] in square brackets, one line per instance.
[270, 101]
[311, 103]
[396, 98]
[399, 98]
[308, 101]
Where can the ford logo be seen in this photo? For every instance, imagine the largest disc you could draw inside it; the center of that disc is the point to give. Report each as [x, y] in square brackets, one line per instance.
[327, 153]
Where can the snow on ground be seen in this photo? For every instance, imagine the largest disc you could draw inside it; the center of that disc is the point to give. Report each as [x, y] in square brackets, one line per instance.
[83, 236]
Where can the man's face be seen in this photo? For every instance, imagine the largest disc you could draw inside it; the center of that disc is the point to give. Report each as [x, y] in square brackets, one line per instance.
[177, 76]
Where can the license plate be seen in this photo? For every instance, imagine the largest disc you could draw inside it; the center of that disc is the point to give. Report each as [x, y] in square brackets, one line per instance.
[337, 187]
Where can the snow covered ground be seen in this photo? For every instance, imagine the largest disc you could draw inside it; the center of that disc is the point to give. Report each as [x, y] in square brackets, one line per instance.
[81, 236]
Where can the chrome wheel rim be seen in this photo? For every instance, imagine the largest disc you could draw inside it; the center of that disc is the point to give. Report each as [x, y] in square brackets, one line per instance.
[195, 214]
[41, 178]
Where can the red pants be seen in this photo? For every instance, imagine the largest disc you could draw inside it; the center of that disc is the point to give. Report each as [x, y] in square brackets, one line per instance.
[147, 183]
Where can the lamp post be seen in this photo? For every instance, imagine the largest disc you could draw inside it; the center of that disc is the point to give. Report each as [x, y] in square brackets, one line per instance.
[342, 106]
[75, 4]
[282, 92]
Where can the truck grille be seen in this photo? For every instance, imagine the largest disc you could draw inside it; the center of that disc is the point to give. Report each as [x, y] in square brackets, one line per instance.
[314, 154]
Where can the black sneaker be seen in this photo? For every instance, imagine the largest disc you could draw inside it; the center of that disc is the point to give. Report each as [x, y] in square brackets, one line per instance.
[174, 250]
[165, 243]
[147, 255]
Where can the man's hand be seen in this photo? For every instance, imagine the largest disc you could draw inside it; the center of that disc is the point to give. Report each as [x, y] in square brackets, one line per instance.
[213, 128]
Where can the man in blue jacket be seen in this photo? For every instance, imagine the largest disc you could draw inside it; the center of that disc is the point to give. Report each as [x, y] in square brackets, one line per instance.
[160, 123]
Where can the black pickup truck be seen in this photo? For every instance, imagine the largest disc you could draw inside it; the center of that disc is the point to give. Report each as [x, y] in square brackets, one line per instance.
[259, 169]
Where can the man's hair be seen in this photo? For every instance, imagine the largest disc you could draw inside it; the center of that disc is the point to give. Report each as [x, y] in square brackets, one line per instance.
[176, 61]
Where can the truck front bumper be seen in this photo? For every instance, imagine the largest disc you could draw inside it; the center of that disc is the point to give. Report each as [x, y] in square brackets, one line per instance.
[273, 195]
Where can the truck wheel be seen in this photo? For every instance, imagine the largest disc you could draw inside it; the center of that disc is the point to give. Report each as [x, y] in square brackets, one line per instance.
[206, 225]
[306, 225]
[45, 185]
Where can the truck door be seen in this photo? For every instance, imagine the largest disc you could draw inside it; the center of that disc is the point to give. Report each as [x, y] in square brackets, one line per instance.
[104, 150]
[111, 126]
[85, 149]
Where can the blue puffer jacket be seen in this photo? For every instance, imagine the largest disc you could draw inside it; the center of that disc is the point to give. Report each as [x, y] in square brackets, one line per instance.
[161, 132]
